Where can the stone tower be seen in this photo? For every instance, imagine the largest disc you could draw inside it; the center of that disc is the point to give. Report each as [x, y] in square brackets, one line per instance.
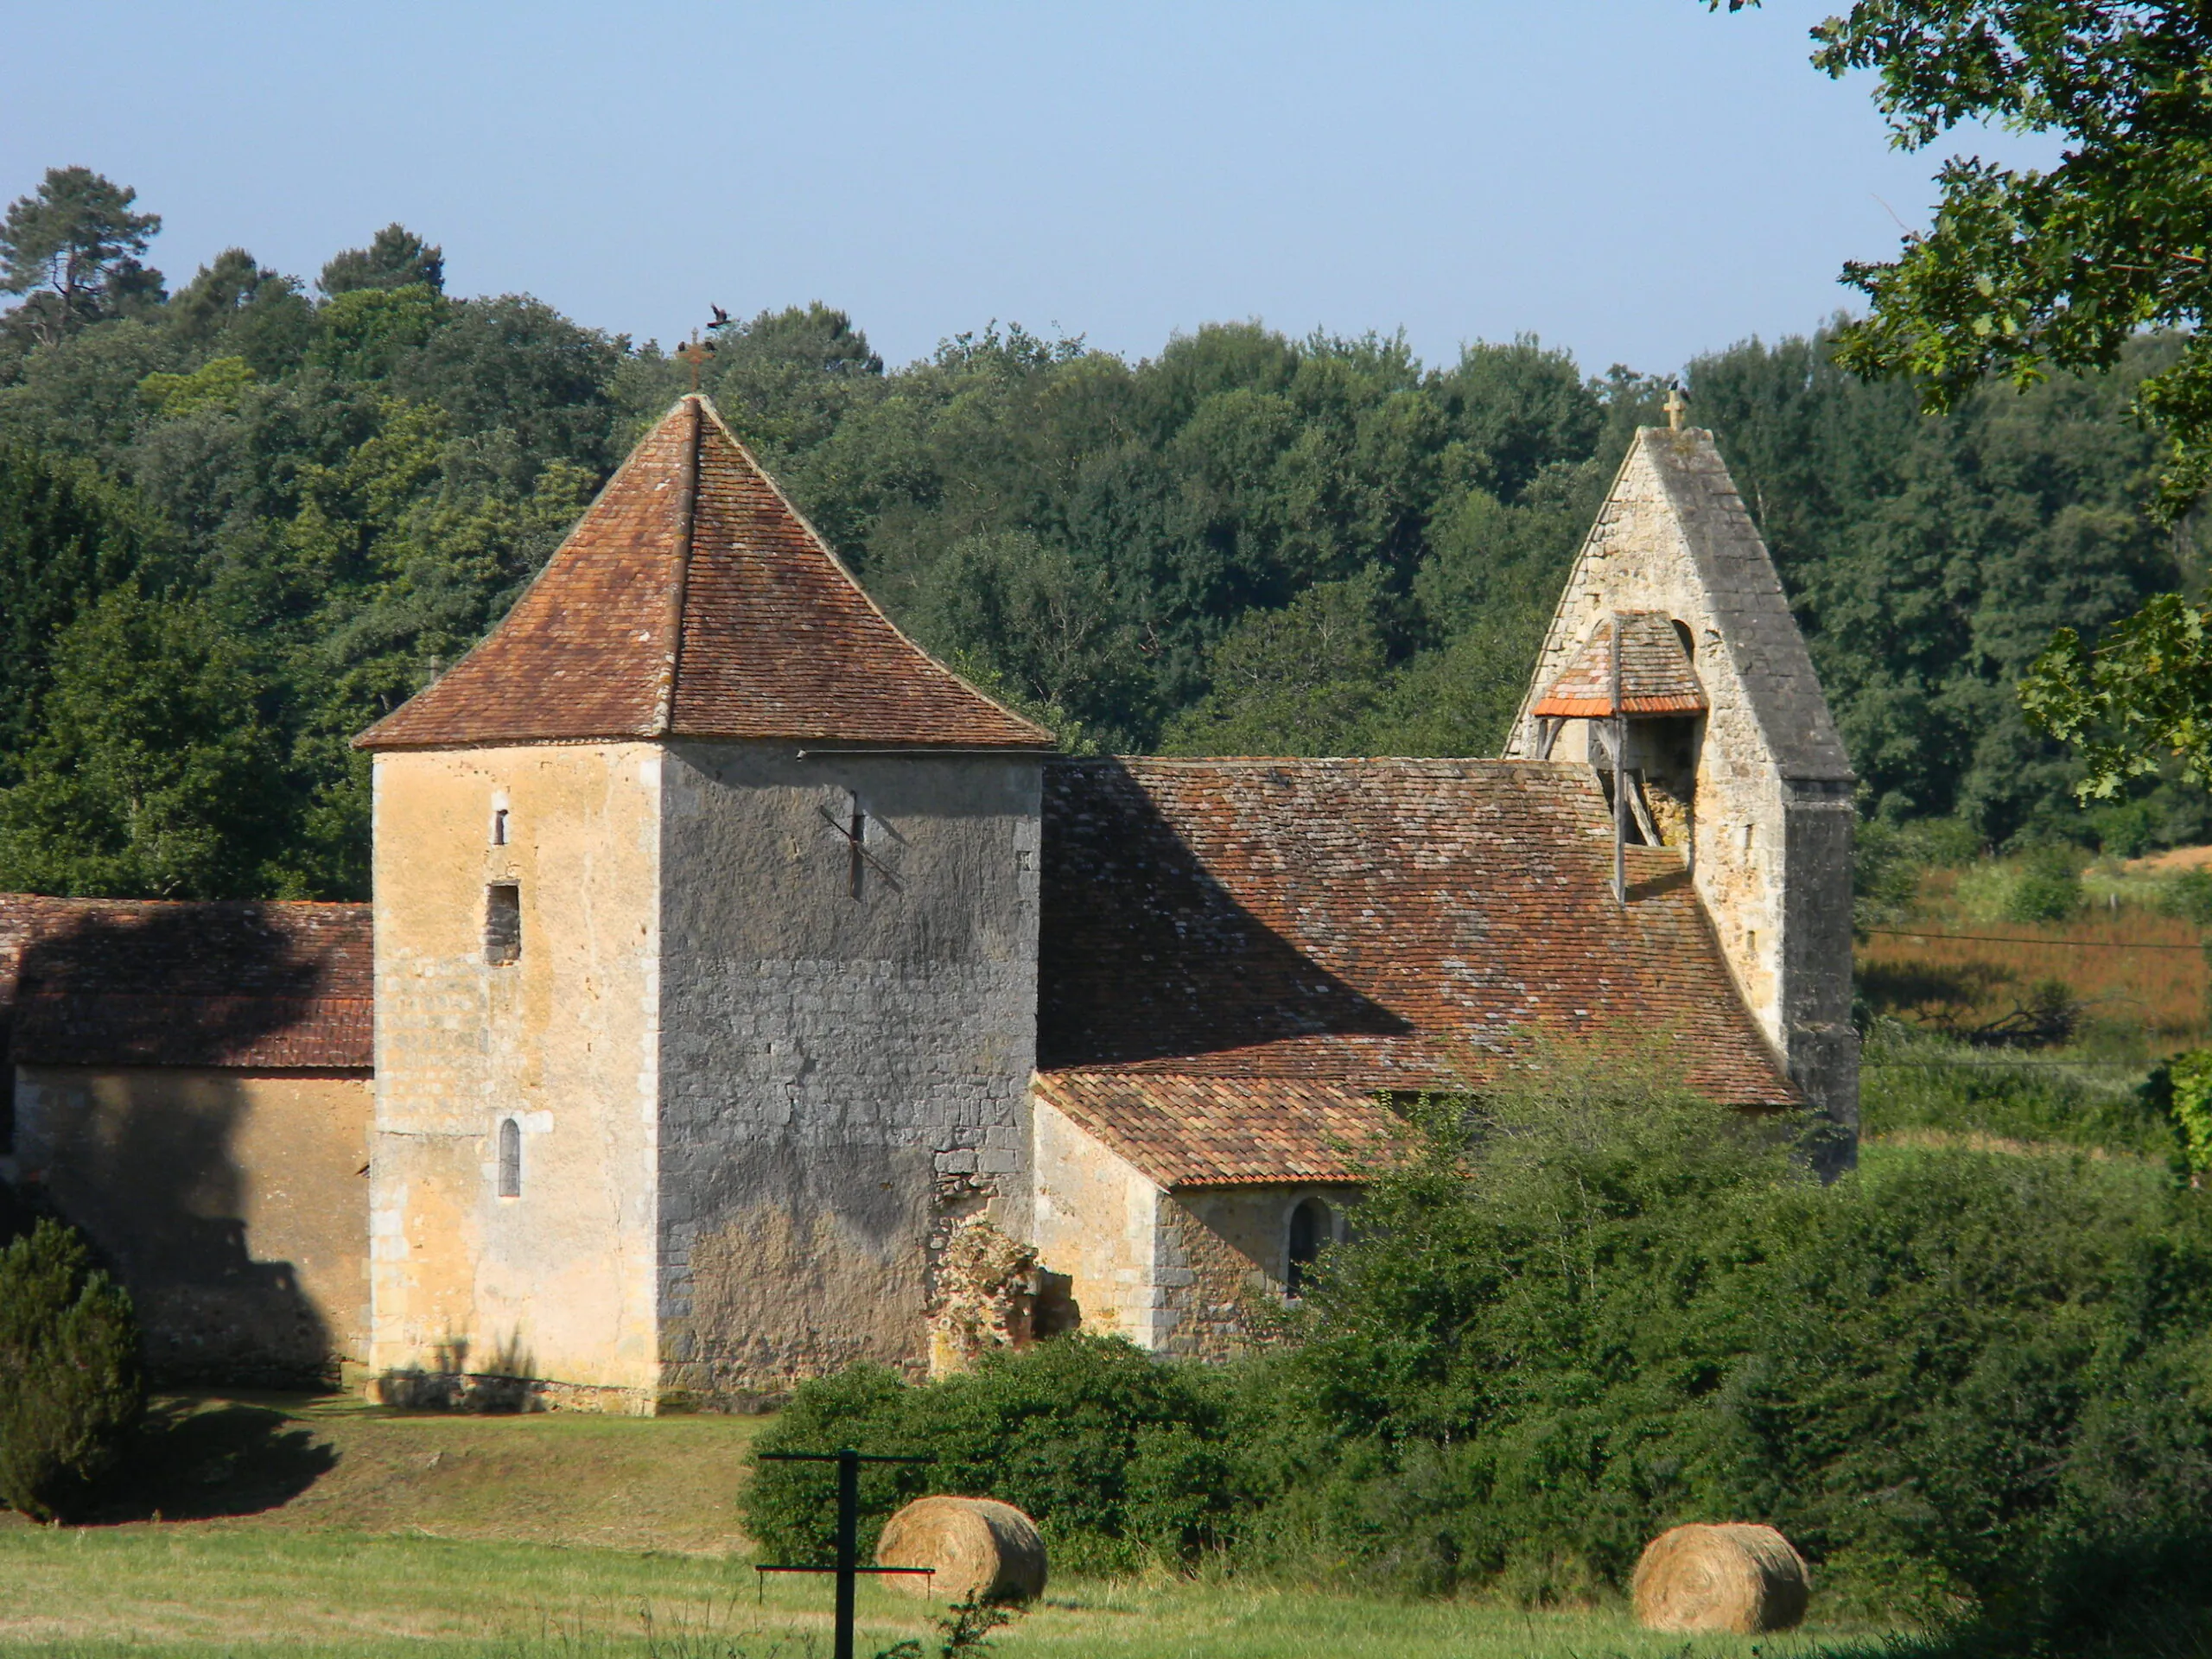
[1732, 754]
[705, 963]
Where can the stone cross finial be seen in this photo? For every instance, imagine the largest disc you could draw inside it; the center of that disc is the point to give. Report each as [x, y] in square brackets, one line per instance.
[1674, 406]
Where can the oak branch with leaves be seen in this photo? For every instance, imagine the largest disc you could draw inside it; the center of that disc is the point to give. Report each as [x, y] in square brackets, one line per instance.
[2025, 272]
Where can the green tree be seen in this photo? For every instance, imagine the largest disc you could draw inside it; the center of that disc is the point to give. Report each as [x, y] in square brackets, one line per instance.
[396, 258]
[2028, 271]
[67, 537]
[154, 773]
[1929, 558]
[237, 307]
[1303, 680]
[73, 248]
[69, 1384]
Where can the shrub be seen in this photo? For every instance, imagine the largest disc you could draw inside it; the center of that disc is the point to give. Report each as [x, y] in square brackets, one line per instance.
[1114, 1454]
[69, 1385]
[1575, 1315]
[2047, 889]
[2188, 896]
[1952, 1379]
[2180, 1088]
[1913, 1080]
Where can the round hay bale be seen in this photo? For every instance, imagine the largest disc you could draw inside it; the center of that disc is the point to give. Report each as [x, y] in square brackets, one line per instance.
[978, 1548]
[1738, 1578]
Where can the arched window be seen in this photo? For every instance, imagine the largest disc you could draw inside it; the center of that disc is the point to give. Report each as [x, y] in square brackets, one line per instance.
[510, 1158]
[1309, 1231]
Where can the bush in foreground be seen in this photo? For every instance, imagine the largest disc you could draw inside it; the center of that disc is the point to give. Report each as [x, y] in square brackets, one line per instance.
[1965, 1384]
[69, 1384]
[1957, 1381]
[1116, 1455]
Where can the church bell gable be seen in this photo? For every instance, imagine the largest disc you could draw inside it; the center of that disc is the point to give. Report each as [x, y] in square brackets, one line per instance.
[1728, 751]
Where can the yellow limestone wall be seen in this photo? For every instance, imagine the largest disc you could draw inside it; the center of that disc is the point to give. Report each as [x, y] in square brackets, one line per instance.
[1231, 1245]
[232, 1203]
[557, 1284]
[1096, 1220]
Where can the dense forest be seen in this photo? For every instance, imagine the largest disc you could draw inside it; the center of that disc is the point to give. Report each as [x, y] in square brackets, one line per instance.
[242, 519]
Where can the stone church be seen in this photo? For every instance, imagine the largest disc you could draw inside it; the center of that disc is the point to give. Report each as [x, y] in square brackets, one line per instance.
[738, 977]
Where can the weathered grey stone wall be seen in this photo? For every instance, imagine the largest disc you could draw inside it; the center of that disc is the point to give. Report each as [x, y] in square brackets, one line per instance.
[228, 1202]
[1771, 813]
[847, 1041]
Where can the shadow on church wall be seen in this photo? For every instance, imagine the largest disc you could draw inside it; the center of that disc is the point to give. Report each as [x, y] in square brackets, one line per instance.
[227, 1198]
[500, 1382]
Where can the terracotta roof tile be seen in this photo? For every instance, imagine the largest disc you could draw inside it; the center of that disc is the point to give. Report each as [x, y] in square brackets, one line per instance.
[1379, 924]
[692, 601]
[1208, 1131]
[1656, 678]
[260, 986]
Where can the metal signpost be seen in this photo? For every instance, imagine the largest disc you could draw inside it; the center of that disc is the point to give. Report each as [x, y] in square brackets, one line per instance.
[847, 1567]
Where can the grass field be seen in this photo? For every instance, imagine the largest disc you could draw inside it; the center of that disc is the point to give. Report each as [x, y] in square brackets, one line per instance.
[294, 1525]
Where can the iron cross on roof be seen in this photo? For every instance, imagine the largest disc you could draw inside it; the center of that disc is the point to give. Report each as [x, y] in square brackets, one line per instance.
[696, 353]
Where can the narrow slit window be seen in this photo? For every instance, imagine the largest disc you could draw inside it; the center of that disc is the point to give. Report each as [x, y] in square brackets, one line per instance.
[502, 923]
[510, 1158]
[1309, 1231]
[500, 827]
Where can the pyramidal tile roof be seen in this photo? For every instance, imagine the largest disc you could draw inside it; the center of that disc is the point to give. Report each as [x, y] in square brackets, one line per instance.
[692, 601]
[1656, 678]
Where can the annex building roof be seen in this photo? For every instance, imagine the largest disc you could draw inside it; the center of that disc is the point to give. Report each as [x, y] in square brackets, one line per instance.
[692, 600]
[1656, 677]
[128, 981]
[1236, 957]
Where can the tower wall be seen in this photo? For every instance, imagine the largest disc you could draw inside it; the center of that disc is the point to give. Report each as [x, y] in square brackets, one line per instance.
[1773, 818]
[846, 1049]
[557, 1282]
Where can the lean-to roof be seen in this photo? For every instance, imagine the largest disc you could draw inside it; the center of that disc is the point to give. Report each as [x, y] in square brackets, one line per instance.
[255, 987]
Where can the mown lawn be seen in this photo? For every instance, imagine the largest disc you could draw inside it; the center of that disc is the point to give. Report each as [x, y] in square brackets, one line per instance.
[199, 1590]
[299, 1526]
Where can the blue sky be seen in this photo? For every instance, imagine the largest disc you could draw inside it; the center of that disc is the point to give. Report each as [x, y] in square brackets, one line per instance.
[1637, 180]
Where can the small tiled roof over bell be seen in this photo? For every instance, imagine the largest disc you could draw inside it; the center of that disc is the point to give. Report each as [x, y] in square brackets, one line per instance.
[1235, 956]
[256, 987]
[693, 600]
[1656, 678]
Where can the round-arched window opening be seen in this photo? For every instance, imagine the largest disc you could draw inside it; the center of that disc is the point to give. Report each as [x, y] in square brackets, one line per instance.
[1689, 643]
[1309, 1231]
[510, 1158]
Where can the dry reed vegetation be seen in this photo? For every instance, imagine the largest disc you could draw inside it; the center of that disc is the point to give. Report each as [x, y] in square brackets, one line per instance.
[2129, 971]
